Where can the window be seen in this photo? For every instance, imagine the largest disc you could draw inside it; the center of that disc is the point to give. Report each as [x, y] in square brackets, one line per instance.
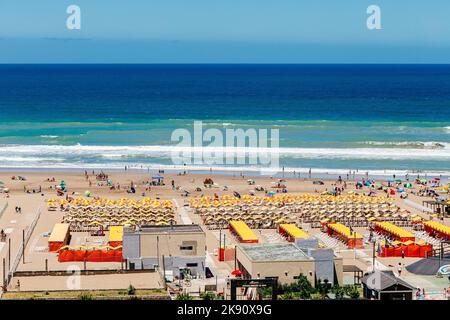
[191, 264]
[186, 247]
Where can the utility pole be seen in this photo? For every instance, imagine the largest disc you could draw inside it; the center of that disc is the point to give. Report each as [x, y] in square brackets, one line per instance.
[23, 246]
[235, 258]
[4, 273]
[224, 247]
[373, 256]
[9, 254]
[164, 272]
[157, 249]
[220, 239]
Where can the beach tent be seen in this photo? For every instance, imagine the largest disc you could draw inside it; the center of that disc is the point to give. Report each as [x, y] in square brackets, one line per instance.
[59, 237]
[157, 177]
[115, 238]
[407, 185]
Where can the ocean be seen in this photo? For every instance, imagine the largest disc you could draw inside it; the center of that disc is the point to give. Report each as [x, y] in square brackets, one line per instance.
[384, 119]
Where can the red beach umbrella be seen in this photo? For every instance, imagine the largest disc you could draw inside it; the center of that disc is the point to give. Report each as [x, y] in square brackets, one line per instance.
[236, 273]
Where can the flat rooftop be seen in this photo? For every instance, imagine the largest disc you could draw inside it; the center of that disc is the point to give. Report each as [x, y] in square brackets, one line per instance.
[274, 252]
[176, 228]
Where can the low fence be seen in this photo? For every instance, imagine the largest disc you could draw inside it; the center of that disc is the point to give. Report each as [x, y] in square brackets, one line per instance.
[65, 273]
[22, 247]
[2, 211]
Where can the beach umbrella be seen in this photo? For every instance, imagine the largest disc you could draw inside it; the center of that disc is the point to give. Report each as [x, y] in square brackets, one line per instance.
[157, 177]
[236, 272]
[87, 193]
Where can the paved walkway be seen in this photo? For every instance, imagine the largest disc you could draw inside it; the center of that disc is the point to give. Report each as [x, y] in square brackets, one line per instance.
[183, 214]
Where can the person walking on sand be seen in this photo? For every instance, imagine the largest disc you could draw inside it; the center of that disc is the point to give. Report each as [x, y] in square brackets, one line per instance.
[399, 269]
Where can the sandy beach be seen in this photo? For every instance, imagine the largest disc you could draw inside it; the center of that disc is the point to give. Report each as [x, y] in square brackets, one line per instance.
[25, 194]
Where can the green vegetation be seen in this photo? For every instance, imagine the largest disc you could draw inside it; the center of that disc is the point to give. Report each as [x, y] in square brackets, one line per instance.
[302, 289]
[184, 296]
[210, 296]
[86, 294]
[131, 290]
[352, 291]
[338, 291]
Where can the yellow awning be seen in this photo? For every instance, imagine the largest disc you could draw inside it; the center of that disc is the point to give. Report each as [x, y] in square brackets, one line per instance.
[392, 228]
[244, 232]
[438, 227]
[115, 233]
[344, 230]
[294, 231]
[59, 232]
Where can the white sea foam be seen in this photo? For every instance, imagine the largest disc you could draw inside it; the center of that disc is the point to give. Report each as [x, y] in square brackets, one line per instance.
[80, 151]
[144, 167]
[410, 144]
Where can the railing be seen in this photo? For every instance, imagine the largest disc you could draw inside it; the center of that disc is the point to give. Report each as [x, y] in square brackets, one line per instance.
[28, 234]
[3, 210]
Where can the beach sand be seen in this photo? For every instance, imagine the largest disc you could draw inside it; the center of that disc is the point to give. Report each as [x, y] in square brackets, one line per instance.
[35, 253]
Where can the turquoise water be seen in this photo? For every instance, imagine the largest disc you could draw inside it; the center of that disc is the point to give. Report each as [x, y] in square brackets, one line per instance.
[330, 117]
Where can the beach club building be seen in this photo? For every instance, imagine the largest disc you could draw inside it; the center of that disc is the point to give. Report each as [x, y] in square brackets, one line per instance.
[172, 248]
[287, 261]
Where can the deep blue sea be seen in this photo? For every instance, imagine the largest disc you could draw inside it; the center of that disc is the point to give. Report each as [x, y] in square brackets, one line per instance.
[332, 118]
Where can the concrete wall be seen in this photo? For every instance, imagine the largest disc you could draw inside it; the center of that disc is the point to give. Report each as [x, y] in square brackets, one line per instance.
[142, 250]
[131, 246]
[324, 266]
[277, 268]
[170, 244]
[339, 267]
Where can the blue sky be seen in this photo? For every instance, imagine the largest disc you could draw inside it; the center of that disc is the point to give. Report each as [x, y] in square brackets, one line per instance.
[225, 31]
